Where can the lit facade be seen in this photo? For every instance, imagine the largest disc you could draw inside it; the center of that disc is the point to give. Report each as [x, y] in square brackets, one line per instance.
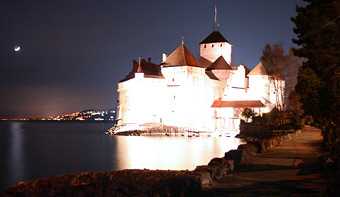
[182, 92]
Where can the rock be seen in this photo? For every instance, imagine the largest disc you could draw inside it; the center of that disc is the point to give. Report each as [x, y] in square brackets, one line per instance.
[205, 179]
[249, 151]
[219, 168]
[115, 183]
[235, 155]
[265, 144]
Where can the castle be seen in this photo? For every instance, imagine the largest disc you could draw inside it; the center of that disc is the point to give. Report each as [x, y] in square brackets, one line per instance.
[189, 94]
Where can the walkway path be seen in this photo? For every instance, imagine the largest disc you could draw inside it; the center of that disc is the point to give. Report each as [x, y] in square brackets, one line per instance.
[289, 169]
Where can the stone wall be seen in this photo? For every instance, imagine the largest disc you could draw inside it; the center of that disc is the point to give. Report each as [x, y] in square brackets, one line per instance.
[114, 183]
[218, 167]
[266, 144]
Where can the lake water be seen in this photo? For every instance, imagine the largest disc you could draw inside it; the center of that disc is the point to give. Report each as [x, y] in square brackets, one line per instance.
[31, 150]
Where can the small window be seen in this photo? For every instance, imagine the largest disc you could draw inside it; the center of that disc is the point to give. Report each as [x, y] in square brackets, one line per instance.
[174, 97]
[173, 79]
[220, 45]
[212, 45]
[205, 46]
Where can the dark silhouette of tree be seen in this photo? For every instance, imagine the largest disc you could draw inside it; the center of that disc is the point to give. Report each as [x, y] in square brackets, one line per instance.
[318, 36]
[281, 67]
[318, 32]
[274, 60]
[248, 113]
[295, 110]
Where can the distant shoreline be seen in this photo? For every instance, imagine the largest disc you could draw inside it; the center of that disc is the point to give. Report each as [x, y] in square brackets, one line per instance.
[102, 121]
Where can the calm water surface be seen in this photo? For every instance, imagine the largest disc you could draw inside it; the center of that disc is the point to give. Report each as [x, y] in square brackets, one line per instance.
[31, 150]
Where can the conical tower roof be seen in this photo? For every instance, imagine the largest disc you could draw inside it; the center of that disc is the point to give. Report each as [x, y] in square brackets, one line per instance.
[219, 64]
[259, 70]
[215, 36]
[181, 57]
[139, 68]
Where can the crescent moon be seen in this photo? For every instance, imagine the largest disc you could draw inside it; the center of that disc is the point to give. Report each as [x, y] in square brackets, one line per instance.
[17, 48]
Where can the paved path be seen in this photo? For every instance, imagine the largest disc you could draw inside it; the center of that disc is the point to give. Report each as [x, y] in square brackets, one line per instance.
[289, 169]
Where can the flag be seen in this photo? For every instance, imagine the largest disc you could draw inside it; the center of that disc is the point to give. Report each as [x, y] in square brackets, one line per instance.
[215, 13]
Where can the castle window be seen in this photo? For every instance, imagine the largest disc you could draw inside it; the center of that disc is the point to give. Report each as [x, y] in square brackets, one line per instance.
[220, 45]
[205, 46]
[212, 45]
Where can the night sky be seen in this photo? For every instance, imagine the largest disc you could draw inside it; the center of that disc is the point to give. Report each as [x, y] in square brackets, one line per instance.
[73, 52]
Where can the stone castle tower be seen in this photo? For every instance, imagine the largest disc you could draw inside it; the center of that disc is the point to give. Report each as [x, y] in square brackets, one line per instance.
[214, 46]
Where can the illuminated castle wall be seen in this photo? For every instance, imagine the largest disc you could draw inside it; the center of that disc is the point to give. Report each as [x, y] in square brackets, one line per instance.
[205, 95]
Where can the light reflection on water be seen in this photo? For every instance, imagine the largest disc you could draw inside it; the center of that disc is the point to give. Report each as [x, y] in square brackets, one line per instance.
[31, 150]
[174, 153]
[16, 153]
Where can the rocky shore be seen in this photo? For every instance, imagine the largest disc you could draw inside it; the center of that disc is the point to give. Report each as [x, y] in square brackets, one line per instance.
[146, 182]
[114, 183]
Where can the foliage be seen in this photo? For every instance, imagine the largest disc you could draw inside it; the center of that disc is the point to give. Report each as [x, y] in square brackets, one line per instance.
[273, 118]
[280, 66]
[295, 109]
[318, 35]
[273, 59]
[318, 30]
[248, 113]
[294, 102]
[308, 88]
[268, 125]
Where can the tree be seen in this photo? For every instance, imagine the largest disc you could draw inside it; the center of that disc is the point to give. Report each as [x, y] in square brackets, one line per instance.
[248, 113]
[295, 108]
[317, 27]
[281, 67]
[274, 60]
[318, 32]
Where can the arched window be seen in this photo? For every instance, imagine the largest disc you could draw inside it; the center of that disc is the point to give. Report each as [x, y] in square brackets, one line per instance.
[205, 46]
[212, 45]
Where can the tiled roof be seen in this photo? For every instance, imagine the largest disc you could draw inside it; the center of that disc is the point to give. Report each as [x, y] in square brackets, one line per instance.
[206, 63]
[149, 69]
[247, 70]
[215, 36]
[237, 104]
[211, 75]
[181, 57]
[219, 64]
[259, 70]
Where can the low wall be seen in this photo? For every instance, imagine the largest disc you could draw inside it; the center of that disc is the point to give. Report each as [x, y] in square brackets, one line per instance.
[114, 183]
[146, 182]
[218, 167]
[266, 144]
